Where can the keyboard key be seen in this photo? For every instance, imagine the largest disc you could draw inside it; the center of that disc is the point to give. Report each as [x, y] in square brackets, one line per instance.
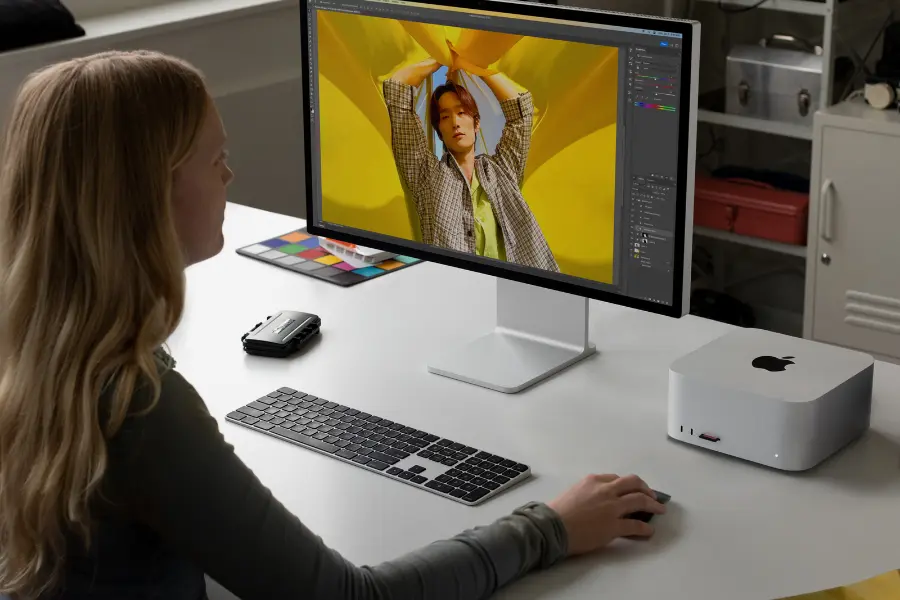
[454, 472]
[511, 474]
[361, 459]
[397, 453]
[250, 411]
[341, 443]
[431, 438]
[321, 435]
[520, 467]
[266, 418]
[469, 487]
[479, 481]
[264, 425]
[419, 479]
[443, 478]
[458, 493]
[475, 495]
[419, 434]
[354, 447]
[417, 469]
[364, 451]
[494, 459]
[250, 420]
[346, 454]
[258, 405]
[445, 443]
[501, 479]
[440, 487]
[491, 485]
[385, 458]
[332, 440]
[352, 412]
[476, 470]
[275, 395]
[277, 421]
[377, 464]
[287, 390]
[309, 441]
[509, 464]
[456, 446]
[425, 454]
[449, 462]
[237, 416]
[395, 471]
[266, 400]
[482, 455]
[407, 475]
[380, 447]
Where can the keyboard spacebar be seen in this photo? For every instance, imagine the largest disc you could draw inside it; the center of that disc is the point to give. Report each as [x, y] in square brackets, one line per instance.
[305, 439]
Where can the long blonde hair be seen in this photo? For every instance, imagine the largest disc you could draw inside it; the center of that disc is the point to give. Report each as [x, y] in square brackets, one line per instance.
[91, 284]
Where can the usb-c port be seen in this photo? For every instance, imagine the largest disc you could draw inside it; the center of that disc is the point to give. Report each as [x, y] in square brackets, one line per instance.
[709, 437]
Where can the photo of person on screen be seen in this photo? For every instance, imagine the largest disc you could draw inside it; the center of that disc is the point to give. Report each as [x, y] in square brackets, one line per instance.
[466, 202]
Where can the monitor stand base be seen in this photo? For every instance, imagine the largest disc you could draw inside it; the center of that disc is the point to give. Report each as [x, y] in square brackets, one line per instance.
[539, 333]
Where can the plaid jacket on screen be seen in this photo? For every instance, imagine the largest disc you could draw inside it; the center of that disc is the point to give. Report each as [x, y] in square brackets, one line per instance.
[441, 193]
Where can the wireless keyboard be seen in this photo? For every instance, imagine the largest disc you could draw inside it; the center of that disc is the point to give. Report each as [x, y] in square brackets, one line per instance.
[430, 462]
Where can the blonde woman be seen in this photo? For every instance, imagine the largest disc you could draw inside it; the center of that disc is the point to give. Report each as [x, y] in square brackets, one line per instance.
[115, 482]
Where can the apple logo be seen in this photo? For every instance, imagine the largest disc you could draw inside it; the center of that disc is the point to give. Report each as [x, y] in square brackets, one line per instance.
[771, 363]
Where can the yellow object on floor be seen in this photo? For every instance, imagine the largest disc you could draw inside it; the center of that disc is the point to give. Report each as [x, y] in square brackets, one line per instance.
[883, 587]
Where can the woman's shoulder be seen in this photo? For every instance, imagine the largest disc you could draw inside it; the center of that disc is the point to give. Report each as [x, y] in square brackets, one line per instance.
[173, 400]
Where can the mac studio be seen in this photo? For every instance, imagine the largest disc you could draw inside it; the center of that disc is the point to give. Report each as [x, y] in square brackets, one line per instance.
[777, 400]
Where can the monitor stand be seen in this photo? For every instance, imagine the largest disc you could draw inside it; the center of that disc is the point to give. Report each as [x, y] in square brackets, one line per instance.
[539, 332]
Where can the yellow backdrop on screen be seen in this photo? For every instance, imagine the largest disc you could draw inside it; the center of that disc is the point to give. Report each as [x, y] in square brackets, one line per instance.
[570, 175]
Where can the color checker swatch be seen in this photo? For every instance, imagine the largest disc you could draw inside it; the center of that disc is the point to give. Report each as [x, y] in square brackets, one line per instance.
[300, 252]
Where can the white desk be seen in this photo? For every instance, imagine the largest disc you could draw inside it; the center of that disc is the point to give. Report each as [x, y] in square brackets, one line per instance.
[734, 530]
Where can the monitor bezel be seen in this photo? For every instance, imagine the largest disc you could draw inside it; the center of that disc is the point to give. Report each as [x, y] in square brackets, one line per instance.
[534, 277]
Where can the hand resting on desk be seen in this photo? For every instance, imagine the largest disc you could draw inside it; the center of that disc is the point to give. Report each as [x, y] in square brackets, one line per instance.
[595, 511]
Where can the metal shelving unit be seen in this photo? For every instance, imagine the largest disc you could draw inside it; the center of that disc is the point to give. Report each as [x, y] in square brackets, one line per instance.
[792, 130]
[824, 9]
[744, 240]
[801, 7]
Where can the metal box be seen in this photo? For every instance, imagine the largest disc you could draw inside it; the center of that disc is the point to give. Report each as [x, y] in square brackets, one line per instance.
[776, 84]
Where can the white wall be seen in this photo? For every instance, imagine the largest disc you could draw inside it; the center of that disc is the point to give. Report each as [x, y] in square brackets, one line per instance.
[251, 60]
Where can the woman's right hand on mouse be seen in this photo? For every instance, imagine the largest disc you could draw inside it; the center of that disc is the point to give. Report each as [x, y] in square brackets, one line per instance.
[594, 511]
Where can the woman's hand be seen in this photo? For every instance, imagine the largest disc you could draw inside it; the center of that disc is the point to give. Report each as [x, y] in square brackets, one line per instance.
[594, 510]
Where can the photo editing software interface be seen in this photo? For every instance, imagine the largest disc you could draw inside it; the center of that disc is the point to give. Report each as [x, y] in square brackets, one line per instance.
[549, 146]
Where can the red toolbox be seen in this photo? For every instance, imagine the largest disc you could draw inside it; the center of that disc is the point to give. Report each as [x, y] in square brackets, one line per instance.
[751, 208]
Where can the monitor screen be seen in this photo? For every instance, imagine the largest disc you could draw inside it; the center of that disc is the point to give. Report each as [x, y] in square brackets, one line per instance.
[503, 139]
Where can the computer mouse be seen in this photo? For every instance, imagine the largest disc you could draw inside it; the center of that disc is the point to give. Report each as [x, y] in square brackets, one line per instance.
[661, 497]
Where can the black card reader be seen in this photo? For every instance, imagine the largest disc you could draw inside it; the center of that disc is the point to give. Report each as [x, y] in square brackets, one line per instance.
[281, 334]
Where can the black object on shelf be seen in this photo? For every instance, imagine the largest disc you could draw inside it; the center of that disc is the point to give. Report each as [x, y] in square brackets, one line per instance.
[26, 23]
[721, 307]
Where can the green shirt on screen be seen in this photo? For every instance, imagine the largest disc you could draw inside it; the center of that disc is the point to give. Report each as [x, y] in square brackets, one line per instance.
[488, 235]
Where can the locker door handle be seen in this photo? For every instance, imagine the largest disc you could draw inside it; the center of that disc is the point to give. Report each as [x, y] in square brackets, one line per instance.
[826, 215]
